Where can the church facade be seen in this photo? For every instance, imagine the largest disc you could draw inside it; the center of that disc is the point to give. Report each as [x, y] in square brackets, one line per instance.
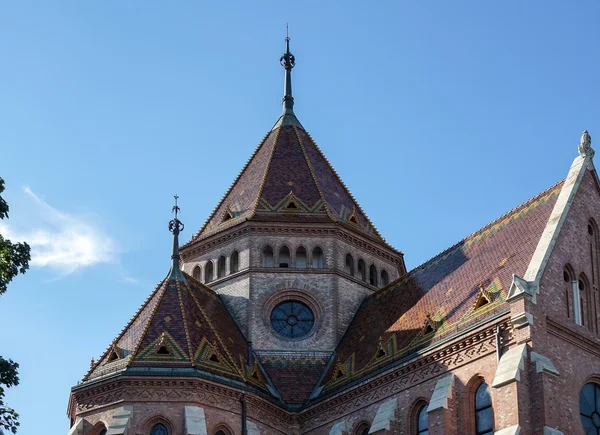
[288, 313]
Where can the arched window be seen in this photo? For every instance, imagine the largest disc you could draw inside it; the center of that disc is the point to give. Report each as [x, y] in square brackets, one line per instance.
[484, 415]
[318, 260]
[349, 267]
[208, 272]
[197, 273]
[589, 408]
[267, 256]
[373, 275]
[234, 262]
[568, 279]
[284, 257]
[362, 270]
[422, 424]
[159, 429]
[593, 241]
[221, 267]
[301, 258]
[584, 293]
[362, 429]
[385, 279]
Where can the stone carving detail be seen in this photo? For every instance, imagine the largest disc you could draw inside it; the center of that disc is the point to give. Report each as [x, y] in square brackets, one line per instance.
[585, 145]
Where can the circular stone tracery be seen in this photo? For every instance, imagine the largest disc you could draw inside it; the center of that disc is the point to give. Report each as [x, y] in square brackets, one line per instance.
[292, 319]
[589, 408]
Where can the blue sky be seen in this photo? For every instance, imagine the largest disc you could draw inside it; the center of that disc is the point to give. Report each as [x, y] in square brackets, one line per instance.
[439, 116]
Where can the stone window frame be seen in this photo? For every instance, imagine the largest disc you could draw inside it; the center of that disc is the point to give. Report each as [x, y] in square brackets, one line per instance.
[262, 256]
[199, 268]
[324, 257]
[207, 279]
[231, 262]
[297, 295]
[295, 254]
[289, 253]
[221, 272]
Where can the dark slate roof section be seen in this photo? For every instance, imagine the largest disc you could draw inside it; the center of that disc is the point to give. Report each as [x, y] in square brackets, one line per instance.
[294, 378]
[437, 298]
[288, 167]
[183, 324]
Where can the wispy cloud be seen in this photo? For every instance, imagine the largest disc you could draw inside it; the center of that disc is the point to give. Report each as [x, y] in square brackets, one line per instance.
[63, 242]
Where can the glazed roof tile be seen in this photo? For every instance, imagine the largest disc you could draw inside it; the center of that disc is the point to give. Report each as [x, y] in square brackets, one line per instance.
[441, 296]
[181, 324]
[287, 167]
[294, 378]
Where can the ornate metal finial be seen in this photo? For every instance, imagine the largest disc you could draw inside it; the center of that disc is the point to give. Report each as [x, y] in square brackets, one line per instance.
[287, 59]
[585, 145]
[176, 226]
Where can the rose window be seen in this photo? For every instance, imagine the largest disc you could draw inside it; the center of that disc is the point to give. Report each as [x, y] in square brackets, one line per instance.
[292, 319]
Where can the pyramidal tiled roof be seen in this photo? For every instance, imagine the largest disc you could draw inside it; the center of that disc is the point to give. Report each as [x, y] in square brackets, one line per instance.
[459, 287]
[288, 179]
[183, 323]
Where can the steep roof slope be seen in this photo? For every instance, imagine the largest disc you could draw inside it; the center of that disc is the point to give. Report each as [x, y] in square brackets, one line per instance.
[288, 179]
[183, 323]
[458, 287]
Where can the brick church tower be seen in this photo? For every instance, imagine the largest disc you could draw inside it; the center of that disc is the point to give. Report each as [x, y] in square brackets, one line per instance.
[288, 313]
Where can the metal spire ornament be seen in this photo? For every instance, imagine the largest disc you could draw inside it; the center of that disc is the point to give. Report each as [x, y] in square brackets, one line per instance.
[288, 62]
[176, 226]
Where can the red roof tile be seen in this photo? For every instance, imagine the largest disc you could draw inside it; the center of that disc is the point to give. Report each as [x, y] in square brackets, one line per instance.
[443, 292]
[294, 378]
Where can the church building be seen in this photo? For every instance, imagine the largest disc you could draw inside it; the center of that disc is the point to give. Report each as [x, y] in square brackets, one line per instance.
[288, 313]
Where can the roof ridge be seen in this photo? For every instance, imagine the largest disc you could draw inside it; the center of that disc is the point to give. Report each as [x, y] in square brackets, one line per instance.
[126, 327]
[147, 325]
[337, 176]
[474, 233]
[264, 177]
[312, 174]
[212, 214]
[185, 323]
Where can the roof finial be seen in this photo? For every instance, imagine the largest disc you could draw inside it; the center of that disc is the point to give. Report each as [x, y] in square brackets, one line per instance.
[175, 226]
[585, 145]
[287, 61]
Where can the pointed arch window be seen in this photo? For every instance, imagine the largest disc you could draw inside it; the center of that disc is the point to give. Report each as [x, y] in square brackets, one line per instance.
[221, 267]
[385, 279]
[284, 257]
[209, 272]
[349, 266]
[197, 273]
[267, 256]
[362, 270]
[159, 429]
[234, 262]
[301, 262]
[568, 284]
[373, 275]
[422, 423]
[318, 259]
[484, 414]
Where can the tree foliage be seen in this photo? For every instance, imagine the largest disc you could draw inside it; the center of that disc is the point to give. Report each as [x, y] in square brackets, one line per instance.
[14, 259]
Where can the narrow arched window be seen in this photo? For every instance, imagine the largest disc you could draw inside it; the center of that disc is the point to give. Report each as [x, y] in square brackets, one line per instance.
[159, 429]
[373, 275]
[284, 257]
[385, 279]
[221, 267]
[362, 429]
[422, 423]
[209, 272]
[349, 266]
[362, 270]
[267, 256]
[484, 415]
[583, 291]
[234, 262]
[318, 259]
[197, 273]
[568, 279]
[301, 262]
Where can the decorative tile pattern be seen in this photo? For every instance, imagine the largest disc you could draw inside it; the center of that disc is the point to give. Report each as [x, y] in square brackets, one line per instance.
[441, 296]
